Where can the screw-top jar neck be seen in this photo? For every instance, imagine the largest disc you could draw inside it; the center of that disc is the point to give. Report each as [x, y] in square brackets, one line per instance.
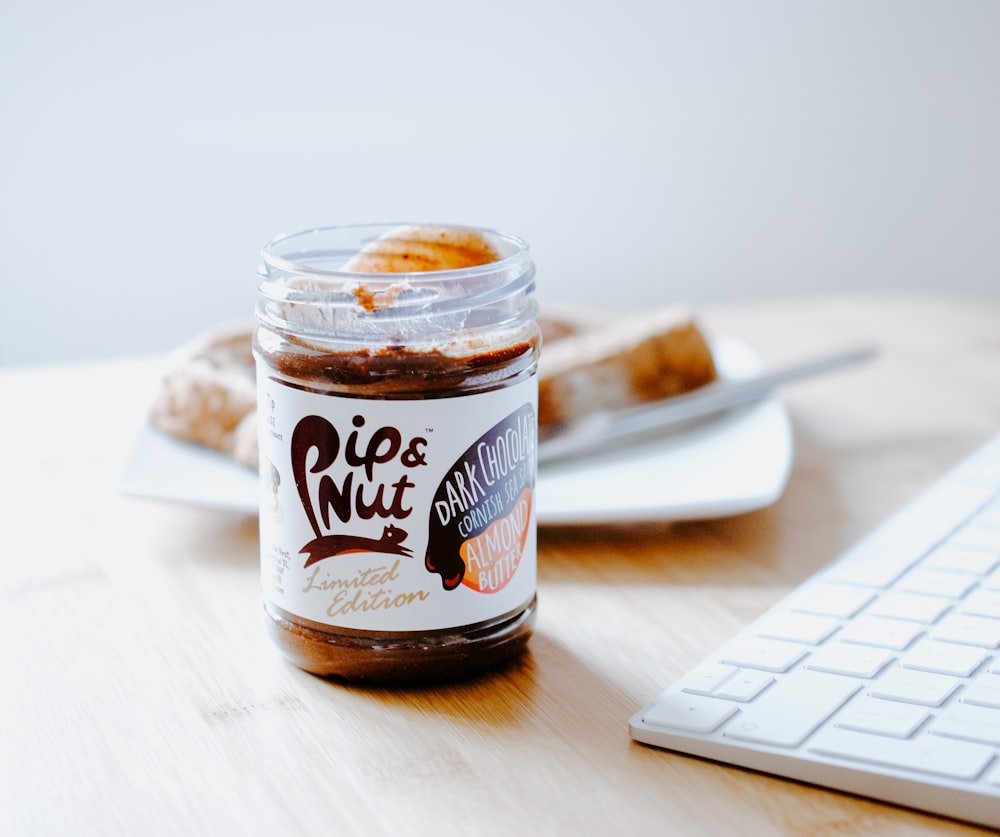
[306, 290]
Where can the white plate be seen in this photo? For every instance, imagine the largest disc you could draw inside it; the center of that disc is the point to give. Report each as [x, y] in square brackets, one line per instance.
[730, 464]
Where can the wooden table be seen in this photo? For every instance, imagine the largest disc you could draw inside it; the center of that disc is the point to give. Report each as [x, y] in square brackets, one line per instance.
[141, 695]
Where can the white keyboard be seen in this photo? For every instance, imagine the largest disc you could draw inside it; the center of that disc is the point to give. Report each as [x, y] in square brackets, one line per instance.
[880, 675]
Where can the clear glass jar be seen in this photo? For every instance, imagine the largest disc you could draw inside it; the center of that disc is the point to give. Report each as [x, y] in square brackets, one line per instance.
[398, 426]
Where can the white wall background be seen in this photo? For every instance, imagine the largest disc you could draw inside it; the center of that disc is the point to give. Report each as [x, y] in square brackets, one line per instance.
[650, 150]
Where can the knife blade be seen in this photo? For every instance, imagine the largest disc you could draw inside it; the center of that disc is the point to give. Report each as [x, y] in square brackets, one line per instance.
[597, 431]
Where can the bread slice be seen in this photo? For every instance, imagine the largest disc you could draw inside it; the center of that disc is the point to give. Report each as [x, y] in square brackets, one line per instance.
[209, 393]
[423, 247]
[592, 366]
[587, 363]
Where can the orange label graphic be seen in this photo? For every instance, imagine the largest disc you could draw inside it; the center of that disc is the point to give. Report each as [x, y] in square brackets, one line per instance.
[492, 557]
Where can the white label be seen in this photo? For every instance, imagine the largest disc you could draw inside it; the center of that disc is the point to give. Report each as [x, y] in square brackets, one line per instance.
[398, 515]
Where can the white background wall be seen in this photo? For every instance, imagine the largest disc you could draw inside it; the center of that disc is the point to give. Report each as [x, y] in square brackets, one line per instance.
[650, 150]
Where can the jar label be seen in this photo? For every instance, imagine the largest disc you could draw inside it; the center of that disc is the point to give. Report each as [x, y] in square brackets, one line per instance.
[398, 515]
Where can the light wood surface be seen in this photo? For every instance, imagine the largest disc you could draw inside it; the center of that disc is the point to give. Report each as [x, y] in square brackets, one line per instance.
[141, 695]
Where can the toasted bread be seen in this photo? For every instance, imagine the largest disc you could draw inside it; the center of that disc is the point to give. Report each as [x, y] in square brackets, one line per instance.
[423, 247]
[208, 393]
[619, 363]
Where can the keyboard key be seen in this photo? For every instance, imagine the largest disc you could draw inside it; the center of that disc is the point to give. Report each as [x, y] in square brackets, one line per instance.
[860, 569]
[919, 687]
[979, 534]
[766, 654]
[883, 633]
[692, 713]
[962, 559]
[937, 583]
[850, 659]
[882, 717]
[969, 630]
[926, 754]
[807, 628]
[970, 723]
[944, 658]
[744, 686]
[707, 678]
[910, 606]
[839, 600]
[981, 603]
[984, 691]
[791, 709]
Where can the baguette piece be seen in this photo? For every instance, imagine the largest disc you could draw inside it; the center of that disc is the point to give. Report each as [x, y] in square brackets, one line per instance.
[627, 361]
[423, 247]
[209, 393]
[587, 364]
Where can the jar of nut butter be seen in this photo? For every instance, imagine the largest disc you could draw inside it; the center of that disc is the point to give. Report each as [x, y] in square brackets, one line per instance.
[397, 413]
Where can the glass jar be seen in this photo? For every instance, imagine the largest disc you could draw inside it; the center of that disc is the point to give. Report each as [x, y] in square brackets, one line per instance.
[398, 426]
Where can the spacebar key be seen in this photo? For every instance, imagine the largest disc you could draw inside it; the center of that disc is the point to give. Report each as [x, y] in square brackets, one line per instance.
[792, 708]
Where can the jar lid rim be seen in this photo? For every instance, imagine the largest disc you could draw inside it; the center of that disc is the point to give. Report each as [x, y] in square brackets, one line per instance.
[521, 255]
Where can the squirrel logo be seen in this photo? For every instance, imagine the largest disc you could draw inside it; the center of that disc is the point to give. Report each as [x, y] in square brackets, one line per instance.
[326, 546]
